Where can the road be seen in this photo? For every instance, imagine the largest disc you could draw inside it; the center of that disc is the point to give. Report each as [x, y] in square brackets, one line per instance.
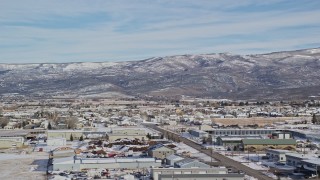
[223, 160]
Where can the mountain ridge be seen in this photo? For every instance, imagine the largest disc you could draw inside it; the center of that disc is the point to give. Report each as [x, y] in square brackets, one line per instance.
[218, 75]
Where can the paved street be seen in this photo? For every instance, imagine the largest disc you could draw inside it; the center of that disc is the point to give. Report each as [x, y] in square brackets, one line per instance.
[224, 161]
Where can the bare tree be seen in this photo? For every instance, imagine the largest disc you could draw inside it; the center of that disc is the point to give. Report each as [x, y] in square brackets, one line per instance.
[71, 122]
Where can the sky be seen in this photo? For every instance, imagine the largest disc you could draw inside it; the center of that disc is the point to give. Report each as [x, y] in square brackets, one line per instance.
[58, 31]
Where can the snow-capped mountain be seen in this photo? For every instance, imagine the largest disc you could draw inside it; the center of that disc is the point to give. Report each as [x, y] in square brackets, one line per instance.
[275, 75]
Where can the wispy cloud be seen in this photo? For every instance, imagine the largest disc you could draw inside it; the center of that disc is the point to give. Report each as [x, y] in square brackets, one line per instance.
[98, 30]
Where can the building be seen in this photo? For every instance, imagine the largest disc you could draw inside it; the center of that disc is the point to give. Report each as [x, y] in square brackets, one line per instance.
[277, 155]
[311, 165]
[190, 163]
[201, 177]
[241, 132]
[170, 160]
[281, 135]
[76, 134]
[193, 173]
[57, 142]
[126, 133]
[74, 164]
[160, 151]
[205, 127]
[11, 142]
[198, 133]
[263, 144]
[295, 159]
[233, 141]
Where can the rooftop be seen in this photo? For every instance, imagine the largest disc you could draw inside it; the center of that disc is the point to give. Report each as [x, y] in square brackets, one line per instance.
[269, 141]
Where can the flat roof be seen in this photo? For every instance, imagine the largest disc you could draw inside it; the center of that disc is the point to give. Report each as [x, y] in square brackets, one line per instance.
[199, 175]
[101, 160]
[281, 151]
[300, 156]
[17, 132]
[269, 141]
[312, 161]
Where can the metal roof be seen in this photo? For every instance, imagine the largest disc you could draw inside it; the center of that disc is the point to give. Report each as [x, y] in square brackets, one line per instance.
[269, 141]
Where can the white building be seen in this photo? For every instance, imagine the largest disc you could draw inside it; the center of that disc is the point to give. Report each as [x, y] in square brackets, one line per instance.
[57, 142]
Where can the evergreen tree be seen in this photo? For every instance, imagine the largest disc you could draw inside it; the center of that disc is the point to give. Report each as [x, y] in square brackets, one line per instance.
[81, 138]
[49, 126]
[71, 137]
[149, 136]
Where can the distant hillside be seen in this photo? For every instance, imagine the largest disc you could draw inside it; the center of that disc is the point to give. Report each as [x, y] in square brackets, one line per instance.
[279, 75]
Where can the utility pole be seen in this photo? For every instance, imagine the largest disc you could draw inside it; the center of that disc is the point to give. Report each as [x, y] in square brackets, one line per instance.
[211, 155]
[248, 157]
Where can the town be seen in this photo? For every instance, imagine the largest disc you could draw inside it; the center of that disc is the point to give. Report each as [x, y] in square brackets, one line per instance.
[143, 138]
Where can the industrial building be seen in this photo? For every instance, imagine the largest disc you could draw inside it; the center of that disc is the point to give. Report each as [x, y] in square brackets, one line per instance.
[231, 141]
[263, 144]
[11, 142]
[76, 134]
[126, 133]
[74, 164]
[160, 151]
[190, 163]
[241, 132]
[198, 133]
[193, 173]
[277, 155]
[57, 142]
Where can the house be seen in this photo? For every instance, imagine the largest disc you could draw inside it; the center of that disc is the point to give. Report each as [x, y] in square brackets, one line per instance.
[190, 163]
[263, 144]
[160, 151]
[170, 160]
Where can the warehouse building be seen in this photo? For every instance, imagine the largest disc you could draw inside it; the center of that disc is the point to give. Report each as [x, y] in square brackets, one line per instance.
[11, 142]
[53, 134]
[74, 164]
[126, 133]
[193, 173]
[263, 144]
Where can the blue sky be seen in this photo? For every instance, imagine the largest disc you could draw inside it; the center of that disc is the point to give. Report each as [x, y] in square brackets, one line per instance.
[40, 31]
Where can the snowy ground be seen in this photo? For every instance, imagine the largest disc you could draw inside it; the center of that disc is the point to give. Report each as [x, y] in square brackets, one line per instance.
[23, 166]
[253, 164]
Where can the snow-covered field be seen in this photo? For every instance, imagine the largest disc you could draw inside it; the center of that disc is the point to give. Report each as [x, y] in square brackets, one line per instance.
[23, 166]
